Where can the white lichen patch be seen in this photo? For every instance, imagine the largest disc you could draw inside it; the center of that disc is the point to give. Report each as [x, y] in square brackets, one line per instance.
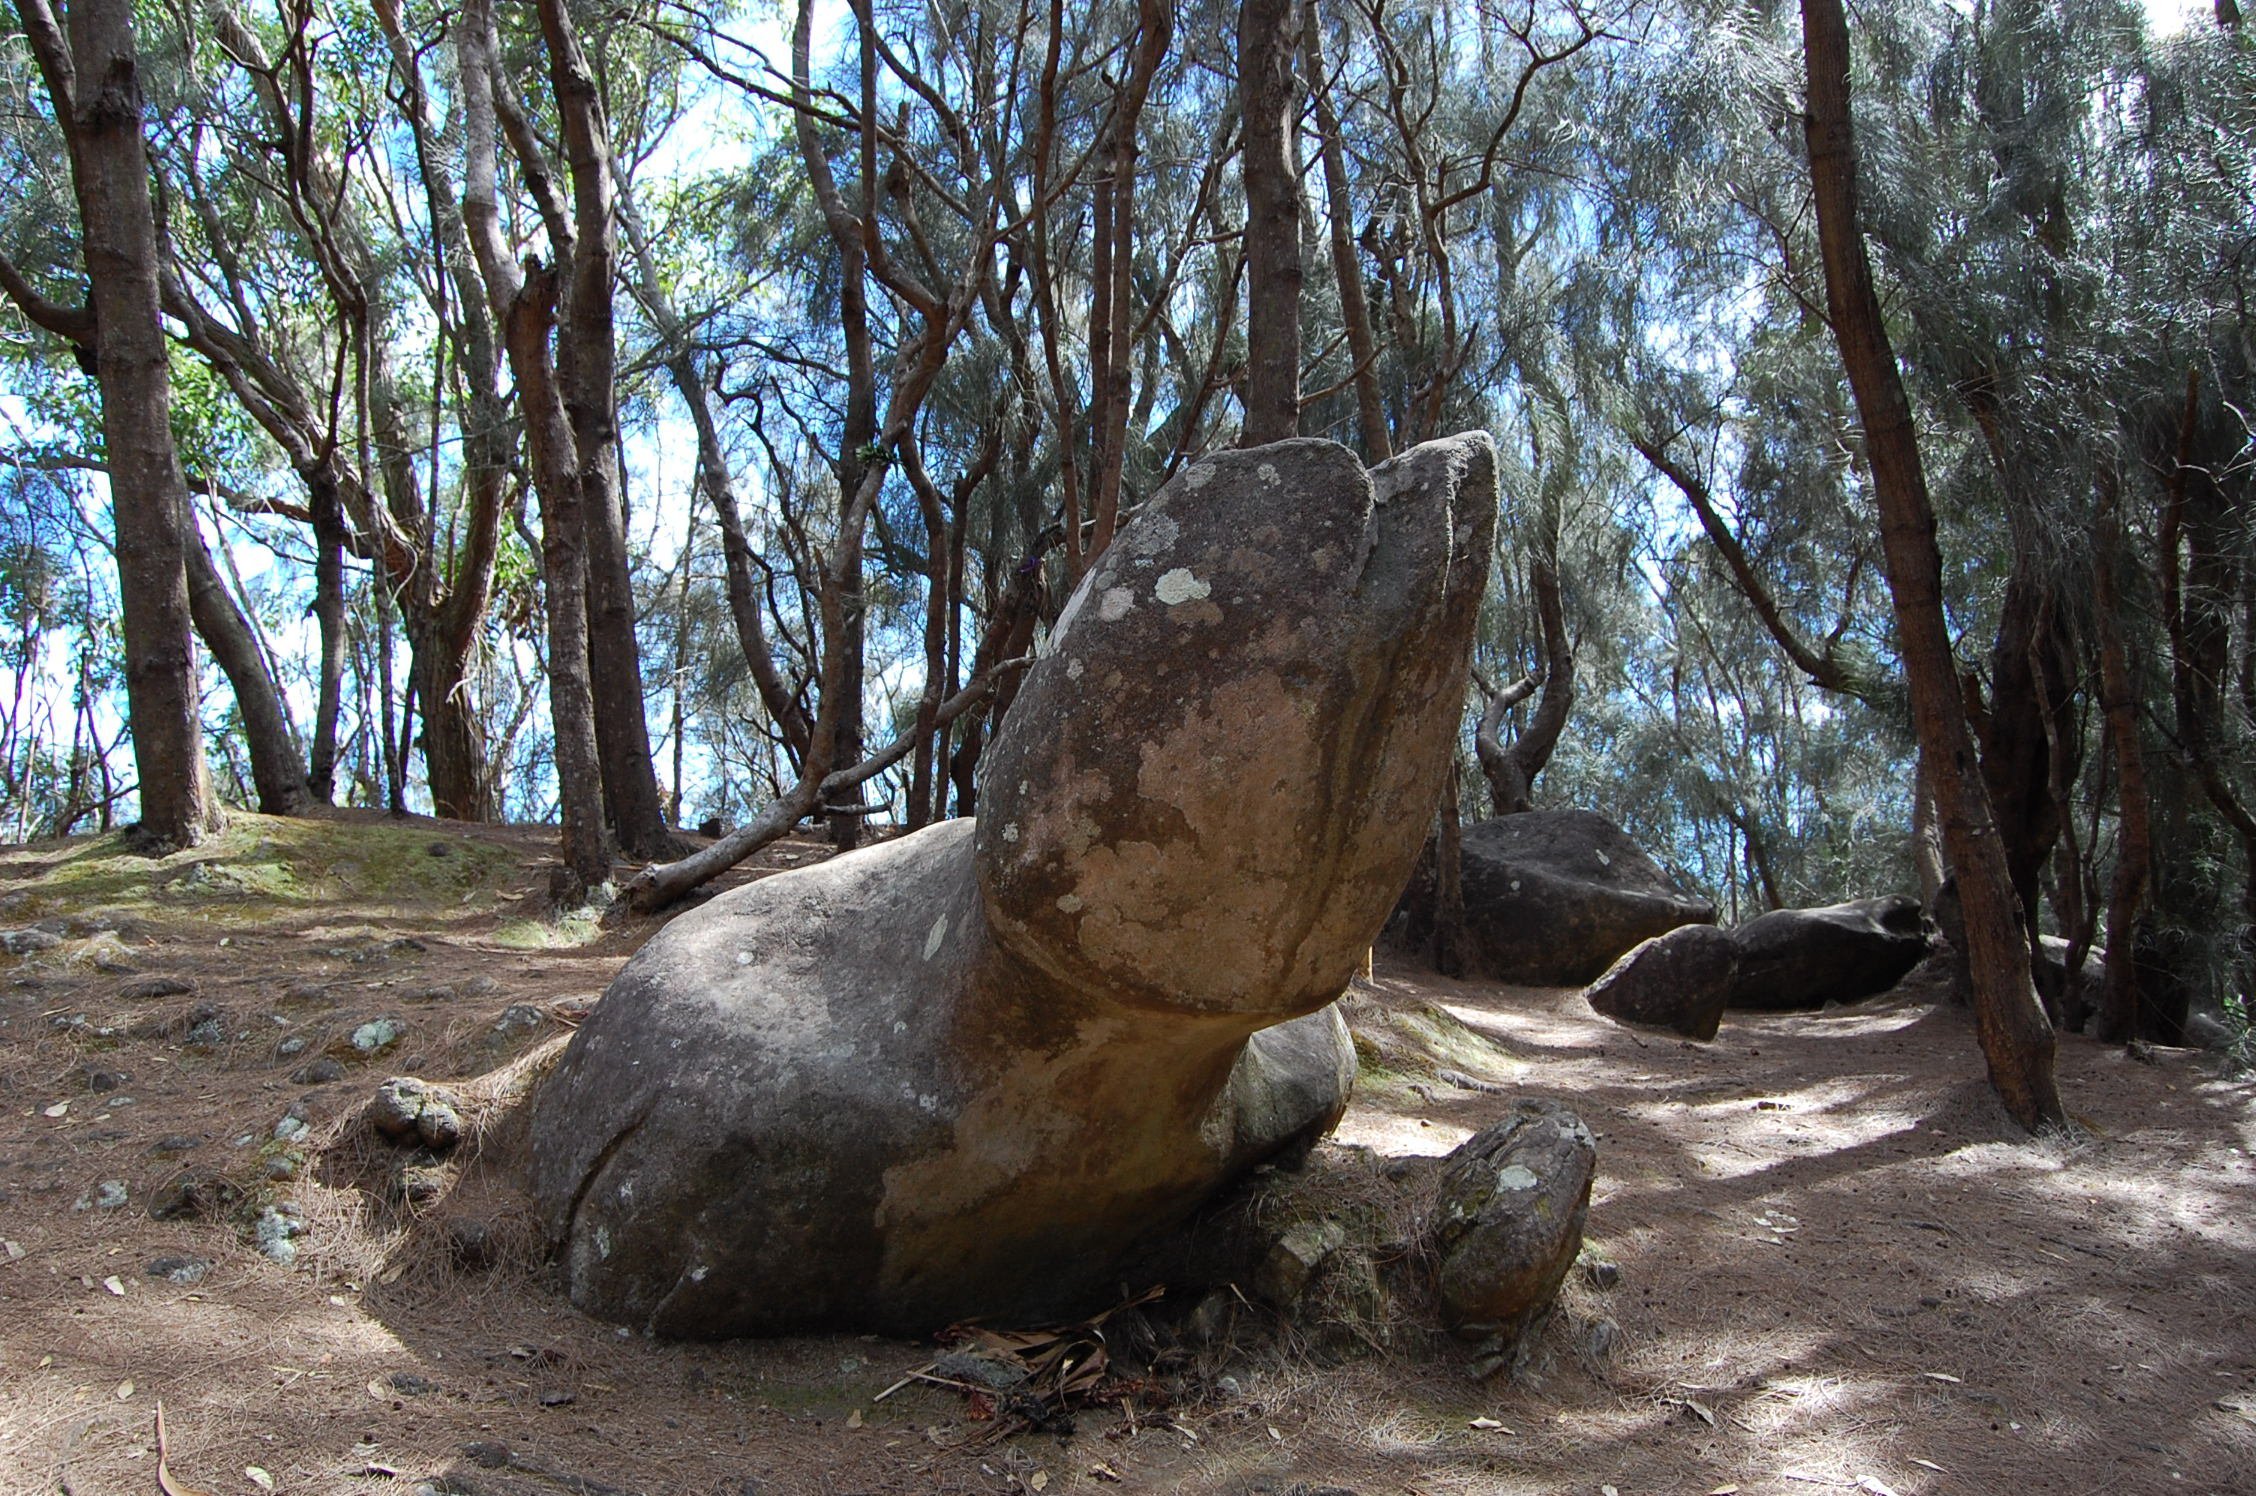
[1199, 476]
[1517, 1177]
[1010, 833]
[1069, 903]
[1117, 602]
[1181, 586]
[1267, 473]
[1073, 669]
[1155, 533]
[932, 941]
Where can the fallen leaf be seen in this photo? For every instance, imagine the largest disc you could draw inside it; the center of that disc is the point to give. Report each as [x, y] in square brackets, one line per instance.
[1724, 1491]
[45, 1362]
[14, 1251]
[854, 1419]
[165, 1482]
[1487, 1423]
[60, 1108]
[259, 1478]
[114, 1286]
[125, 1389]
[1928, 1465]
[1039, 1479]
[1874, 1487]
[1707, 1414]
[1280, 1438]
[1103, 1471]
[1608, 1491]
[1941, 1376]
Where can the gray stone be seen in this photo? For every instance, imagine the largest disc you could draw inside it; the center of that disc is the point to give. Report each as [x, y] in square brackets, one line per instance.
[407, 1110]
[277, 1231]
[181, 1270]
[319, 1073]
[1679, 981]
[193, 1193]
[1553, 898]
[377, 1035]
[1806, 958]
[968, 1071]
[1508, 1224]
[28, 942]
[1294, 1259]
[110, 1194]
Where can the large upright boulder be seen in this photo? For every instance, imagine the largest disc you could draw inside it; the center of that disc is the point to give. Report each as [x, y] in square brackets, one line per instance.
[1806, 958]
[1680, 981]
[1554, 897]
[967, 1072]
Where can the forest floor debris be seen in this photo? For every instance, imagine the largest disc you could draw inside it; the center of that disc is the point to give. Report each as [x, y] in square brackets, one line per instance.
[1833, 1263]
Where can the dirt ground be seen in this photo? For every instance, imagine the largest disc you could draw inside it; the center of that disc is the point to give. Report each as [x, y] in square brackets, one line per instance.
[1840, 1268]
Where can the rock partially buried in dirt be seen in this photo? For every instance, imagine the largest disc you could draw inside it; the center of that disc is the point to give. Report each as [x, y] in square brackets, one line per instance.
[1806, 958]
[377, 1035]
[965, 1072]
[145, 989]
[193, 1193]
[28, 942]
[1508, 1225]
[182, 1270]
[1554, 897]
[1679, 981]
[407, 1110]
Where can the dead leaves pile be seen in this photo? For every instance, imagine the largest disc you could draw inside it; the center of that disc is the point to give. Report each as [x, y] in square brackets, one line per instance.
[1020, 1380]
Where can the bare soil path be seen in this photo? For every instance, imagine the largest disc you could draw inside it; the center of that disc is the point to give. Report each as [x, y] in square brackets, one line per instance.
[1840, 1268]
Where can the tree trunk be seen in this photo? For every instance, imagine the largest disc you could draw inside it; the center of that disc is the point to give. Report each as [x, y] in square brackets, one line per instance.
[2118, 703]
[94, 80]
[1512, 777]
[587, 368]
[276, 772]
[2016, 1039]
[329, 615]
[571, 696]
[1347, 270]
[1270, 106]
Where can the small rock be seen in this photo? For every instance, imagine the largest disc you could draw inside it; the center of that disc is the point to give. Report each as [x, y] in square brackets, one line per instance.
[182, 1270]
[319, 1073]
[192, 1194]
[282, 1168]
[109, 1194]
[291, 1130]
[171, 1145]
[488, 1455]
[305, 992]
[439, 849]
[406, 1108]
[471, 1244]
[377, 1035]
[421, 1184]
[969, 1366]
[1294, 1259]
[27, 942]
[1209, 1323]
[1600, 1273]
[290, 1047]
[557, 1399]
[277, 1231]
[409, 1384]
[154, 987]
[106, 1080]
[2204, 1032]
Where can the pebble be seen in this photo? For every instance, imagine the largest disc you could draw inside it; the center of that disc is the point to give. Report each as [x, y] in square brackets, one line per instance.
[277, 1231]
[183, 1270]
[319, 1073]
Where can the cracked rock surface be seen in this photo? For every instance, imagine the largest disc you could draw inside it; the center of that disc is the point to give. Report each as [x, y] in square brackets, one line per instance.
[967, 1072]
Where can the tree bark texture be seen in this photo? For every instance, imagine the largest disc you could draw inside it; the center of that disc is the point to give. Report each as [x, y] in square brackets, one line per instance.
[2017, 1040]
[94, 81]
[1270, 105]
[277, 774]
[586, 363]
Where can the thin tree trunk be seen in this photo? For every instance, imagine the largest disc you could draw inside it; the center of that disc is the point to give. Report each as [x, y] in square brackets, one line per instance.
[94, 81]
[276, 772]
[2118, 703]
[1512, 778]
[329, 615]
[586, 364]
[2016, 1039]
[1347, 270]
[1270, 106]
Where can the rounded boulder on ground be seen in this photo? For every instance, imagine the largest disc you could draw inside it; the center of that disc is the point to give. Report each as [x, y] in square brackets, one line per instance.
[1554, 897]
[1805, 958]
[1680, 981]
[1508, 1224]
